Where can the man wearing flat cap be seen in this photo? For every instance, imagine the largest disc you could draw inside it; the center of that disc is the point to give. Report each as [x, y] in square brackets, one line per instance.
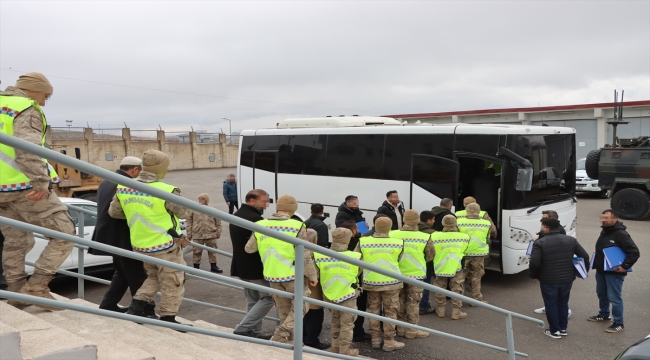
[129, 273]
[155, 231]
[25, 190]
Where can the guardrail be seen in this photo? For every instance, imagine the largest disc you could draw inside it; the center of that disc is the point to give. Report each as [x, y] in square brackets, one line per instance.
[299, 245]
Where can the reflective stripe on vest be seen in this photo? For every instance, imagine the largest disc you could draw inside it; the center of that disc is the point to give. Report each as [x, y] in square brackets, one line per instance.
[11, 177]
[450, 249]
[337, 277]
[462, 214]
[278, 257]
[478, 231]
[413, 263]
[149, 221]
[383, 252]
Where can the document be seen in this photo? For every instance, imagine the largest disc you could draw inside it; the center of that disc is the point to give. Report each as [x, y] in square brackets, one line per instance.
[361, 226]
[614, 256]
[581, 270]
[593, 257]
[529, 251]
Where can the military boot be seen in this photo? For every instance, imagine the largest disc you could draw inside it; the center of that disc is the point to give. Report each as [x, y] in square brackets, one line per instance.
[391, 345]
[172, 319]
[36, 286]
[456, 314]
[137, 308]
[401, 331]
[16, 286]
[412, 334]
[335, 346]
[376, 343]
[215, 269]
[440, 310]
[347, 350]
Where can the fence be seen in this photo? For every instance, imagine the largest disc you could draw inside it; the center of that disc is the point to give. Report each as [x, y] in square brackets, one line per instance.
[300, 247]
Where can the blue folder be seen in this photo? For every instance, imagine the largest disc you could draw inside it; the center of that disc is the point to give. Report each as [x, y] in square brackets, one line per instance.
[581, 270]
[614, 256]
[361, 226]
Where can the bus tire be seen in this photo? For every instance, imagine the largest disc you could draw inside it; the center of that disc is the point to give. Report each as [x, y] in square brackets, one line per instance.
[591, 164]
[631, 204]
[91, 196]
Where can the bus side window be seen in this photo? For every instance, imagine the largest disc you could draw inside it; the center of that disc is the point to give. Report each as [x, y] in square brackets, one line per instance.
[356, 156]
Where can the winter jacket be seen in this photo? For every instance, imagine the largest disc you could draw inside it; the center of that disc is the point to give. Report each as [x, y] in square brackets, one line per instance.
[230, 191]
[440, 213]
[552, 258]
[244, 265]
[345, 214]
[201, 226]
[387, 209]
[316, 222]
[109, 231]
[425, 228]
[615, 235]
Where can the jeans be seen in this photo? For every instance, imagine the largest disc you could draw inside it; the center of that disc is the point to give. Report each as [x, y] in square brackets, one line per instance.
[258, 304]
[232, 206]
[556, 301]
[312, 325]
[424, 303]
[609, 288]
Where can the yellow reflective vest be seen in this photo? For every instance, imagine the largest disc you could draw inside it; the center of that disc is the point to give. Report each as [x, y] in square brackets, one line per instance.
[11, 177]
[383, 252]
[278, 257]
[413, 263]
[462, 214]
[450, 249]
[150, 223]
[337, 277]
[478, 231]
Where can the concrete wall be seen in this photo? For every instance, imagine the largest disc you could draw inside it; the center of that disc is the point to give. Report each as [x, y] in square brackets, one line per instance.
[108, 153]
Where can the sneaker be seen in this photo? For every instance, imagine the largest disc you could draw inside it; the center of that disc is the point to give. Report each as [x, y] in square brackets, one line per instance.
[570, 312]
[427, 311]
[598, 318]
[615, 328]
[554, 335]
[563, 333]
[541, 310]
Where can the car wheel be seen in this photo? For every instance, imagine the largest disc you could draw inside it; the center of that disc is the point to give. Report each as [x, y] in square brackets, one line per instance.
[631, 204]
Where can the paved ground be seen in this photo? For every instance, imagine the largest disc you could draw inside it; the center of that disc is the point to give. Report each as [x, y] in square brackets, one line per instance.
[518, 293]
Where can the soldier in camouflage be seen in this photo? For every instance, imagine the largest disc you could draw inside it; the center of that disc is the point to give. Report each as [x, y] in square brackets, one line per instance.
[205, 230]
[30, 201]
[471, 200]
[474, 262]
[170, 282]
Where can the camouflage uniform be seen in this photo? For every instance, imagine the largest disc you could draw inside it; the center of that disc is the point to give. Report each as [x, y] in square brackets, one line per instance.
[205, 230]
[284, 331]
[170, 282]
[49, 213]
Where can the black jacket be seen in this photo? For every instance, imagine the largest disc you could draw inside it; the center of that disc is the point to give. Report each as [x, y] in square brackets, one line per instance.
[345, 214]
[541, 234]
[109, 231]
[244, 265]
[552, 258]
[387, 209]
[354, 241]
[316, 222]
[615, 235]
[440, 213]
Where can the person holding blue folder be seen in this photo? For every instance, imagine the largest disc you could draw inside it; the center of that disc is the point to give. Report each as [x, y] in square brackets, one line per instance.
[609, 283]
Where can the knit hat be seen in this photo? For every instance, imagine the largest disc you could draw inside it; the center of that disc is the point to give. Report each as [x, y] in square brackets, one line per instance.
[449, 221]
[205, 196]
[131, 161]
[468, 200]
[383, 225]
[341, 236]
[473, 209]
[287, 203]
[155, 161]
[34, 81]
[411, 217]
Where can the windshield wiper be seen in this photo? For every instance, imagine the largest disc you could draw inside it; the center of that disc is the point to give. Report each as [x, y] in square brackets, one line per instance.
[557, 195]
[540, 204]
[544, 202]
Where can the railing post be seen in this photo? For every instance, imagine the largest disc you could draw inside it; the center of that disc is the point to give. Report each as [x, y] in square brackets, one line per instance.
[298, 303]
[80, 256]
[511, 338]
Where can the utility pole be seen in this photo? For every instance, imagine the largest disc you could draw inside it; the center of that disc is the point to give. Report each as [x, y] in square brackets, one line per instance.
[230, 128]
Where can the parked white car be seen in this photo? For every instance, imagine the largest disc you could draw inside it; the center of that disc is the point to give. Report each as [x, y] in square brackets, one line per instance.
[583, 182]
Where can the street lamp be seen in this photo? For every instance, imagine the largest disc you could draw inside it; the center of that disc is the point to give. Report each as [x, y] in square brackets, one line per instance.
[230, 128]
[68, 124]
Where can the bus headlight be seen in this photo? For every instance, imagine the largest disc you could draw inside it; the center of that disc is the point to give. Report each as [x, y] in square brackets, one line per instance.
[520, 235]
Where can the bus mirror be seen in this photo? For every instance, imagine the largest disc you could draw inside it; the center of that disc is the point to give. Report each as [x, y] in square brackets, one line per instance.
[524, 179]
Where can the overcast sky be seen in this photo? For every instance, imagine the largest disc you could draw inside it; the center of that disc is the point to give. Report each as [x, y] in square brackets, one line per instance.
[182, 64]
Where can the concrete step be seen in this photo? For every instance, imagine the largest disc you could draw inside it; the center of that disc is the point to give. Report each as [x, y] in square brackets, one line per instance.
[41, 340]
[10, 343]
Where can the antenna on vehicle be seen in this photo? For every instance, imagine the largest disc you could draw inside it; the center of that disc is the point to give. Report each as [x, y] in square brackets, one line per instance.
[618, 116]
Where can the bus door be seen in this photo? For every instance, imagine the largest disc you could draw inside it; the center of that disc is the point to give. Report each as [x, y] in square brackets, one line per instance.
[432, 179]
[265, 172]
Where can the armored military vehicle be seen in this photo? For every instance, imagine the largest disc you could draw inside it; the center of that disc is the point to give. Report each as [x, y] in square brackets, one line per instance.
[623, 168]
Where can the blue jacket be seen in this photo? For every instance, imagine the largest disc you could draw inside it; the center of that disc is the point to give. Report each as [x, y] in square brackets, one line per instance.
[230, 191]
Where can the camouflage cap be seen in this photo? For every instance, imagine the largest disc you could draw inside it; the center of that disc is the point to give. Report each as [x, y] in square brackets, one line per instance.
[155, 161]
[411, 217]
[473, 209]
[287, 203]
[449, 221]
[383, 225]
[341, 236]
[468, 200]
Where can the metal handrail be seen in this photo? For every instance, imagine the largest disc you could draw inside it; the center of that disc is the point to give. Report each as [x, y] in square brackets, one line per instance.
[299, 245]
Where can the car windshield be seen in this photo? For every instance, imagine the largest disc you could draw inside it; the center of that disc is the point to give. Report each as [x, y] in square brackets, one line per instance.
[581, 164]
[88, 220]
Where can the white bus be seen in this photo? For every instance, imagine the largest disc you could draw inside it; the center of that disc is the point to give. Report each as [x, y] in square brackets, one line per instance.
[322, 160]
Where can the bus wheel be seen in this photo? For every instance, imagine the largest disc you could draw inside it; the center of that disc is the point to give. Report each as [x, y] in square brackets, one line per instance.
[631, 204]
[88, 196]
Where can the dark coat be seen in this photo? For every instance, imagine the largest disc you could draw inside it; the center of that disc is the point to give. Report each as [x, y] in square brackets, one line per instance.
[345, 214]
[440, 213]
[230, 191]
[387, 209]
[316, 222]
[552, 258]
[244, 265]
[354, 241]
[615, 235]
[109, 231]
